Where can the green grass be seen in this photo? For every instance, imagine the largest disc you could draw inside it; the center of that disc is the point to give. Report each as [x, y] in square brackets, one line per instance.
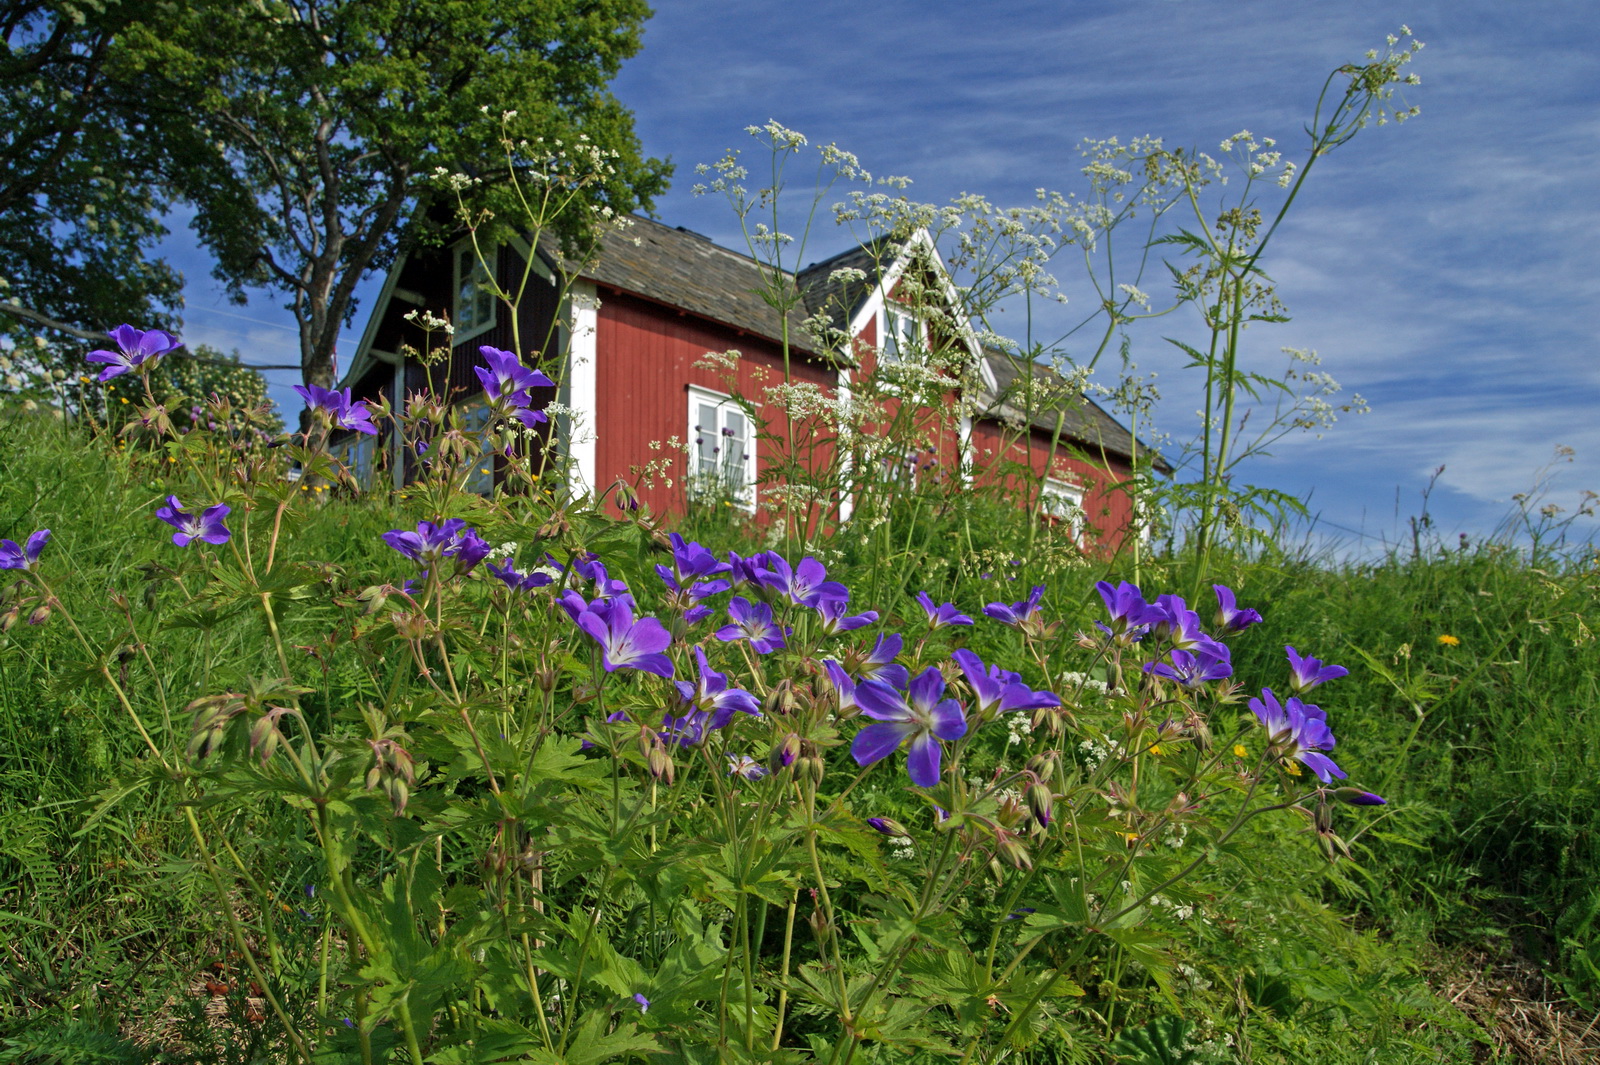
[1491, 836]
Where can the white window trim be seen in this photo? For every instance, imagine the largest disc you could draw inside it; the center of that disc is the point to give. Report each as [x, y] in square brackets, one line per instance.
[745, 498]
[1054, 493]
[456, 252]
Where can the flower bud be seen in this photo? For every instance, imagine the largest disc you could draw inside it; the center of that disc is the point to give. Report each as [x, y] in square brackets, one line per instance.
[374, 776]
[784, 752]
[40, 615]
[264, 737]
[810, 768]
[781, 700]
[1324, 818]
[1041, 803]
[1043, 765]
[9, 618]
[889, 827]
[660, 763]
[1357, 797]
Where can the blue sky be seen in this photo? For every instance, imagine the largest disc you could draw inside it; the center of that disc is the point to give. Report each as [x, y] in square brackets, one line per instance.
[1446, 270]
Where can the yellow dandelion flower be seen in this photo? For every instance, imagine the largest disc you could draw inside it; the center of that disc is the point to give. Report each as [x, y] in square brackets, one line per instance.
[1155, 748]
[1239, 751]
[1293, 768]
[1447, 640]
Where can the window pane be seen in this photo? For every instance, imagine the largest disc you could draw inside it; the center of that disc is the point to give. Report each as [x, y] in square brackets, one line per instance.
[891, 336]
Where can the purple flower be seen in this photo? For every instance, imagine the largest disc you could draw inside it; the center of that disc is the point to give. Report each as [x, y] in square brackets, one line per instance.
[1017, 615]
[843, 686]
[753, 622]
[644, 1003]
[997, 690]
[711, 694]
[750, 570]
[1179, 624]
[506, 380]
[921, 716]
[591, 568]
[880, 662]
[1131, 616]
[206, 526]
[691, 561]
[1210, 661]
[888, 826]
[1299, 730]
[432, 543]
[1308, 672]
[805, 585]
[1230, 618]
[943, 614]
[1357, 797]
[742, 765]
[14, 557]
[834, 620]
[134, 349]
[624, 642]
[519, 582]
[338, 406]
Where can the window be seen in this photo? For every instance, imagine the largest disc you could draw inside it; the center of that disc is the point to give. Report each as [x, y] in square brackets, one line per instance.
[474, 304]
[902, 335]
[722, 450]
[1062, 505]
[475, 422]
[358, 454]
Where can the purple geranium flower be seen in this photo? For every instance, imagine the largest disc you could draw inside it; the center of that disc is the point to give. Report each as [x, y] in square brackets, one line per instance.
[691, 561]
[592, 569]
[1179, 624]
[753, 622]
[835, 621]
[519, 582]
[205, 526]
[921, 716]
[506, 380]
[134, 349]
[341, 410]
[805, 585]
[643, 1003]
[880, 661]
[1230, 618]
[14, 557]
[742, 765]
[843, 686]
[624, 642]
[1300, 730]
[432, 543]
[1210, 661]
[742, 571]
[710, 693]
[1017, 615]
[1131, 616]
[1357, 797]
[1308, 672]
[943, 614]
[998, 690]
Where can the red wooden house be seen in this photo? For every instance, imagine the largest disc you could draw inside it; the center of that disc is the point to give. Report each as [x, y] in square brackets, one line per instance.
[627, 336]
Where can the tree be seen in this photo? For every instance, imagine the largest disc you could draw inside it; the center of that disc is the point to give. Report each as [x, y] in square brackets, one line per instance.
[322, 123]
[80, 169]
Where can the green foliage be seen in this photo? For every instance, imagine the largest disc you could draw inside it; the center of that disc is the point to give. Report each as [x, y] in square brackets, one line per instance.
[318, 124]
[81, 157]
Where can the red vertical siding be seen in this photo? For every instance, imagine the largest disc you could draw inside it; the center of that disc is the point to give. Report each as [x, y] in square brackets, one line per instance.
[645, 363]
[1107, 509]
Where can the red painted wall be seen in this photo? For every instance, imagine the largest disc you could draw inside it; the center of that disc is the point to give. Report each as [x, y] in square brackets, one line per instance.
[646, 359]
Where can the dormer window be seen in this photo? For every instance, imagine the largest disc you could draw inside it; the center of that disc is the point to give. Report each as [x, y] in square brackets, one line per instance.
[474, 303]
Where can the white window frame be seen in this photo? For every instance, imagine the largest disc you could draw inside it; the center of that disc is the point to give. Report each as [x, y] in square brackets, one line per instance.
[1061, 503]
[901, 327]
[725, 409]
[479, 317]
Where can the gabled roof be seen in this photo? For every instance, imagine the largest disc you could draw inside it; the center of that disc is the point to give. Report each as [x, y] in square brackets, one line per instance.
[1081, 418]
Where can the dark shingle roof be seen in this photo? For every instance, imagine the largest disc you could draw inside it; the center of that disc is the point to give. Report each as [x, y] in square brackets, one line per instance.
[1081, 418]
[681, 268]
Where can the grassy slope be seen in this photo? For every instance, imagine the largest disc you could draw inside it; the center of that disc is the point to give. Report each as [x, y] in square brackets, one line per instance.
[1492, 833]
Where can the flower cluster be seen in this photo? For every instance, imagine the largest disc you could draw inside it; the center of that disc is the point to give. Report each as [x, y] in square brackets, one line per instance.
[336, 408]
[433, 542]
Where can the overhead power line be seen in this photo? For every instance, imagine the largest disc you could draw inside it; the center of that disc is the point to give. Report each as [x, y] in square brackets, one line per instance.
[13, 308]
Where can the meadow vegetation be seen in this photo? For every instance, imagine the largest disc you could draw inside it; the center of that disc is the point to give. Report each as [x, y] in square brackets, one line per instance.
[301, 768]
